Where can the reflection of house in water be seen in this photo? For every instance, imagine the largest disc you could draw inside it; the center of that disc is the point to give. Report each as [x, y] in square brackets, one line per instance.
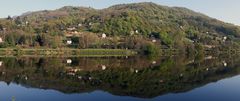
[71, 29]
[72, 71]
[69, 42]
[209, 46]
[103, 67]
[181, 75]
[224, 38]
[1, 40]
[1, 63]
[208, 57]
[26, 78]
[154, 41]
[136, 71]
[224, 63]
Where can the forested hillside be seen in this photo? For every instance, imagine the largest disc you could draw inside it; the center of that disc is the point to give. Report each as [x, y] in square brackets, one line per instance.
[140, 26]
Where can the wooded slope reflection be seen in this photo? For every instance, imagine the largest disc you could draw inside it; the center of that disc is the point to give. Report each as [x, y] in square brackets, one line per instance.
[129, 76]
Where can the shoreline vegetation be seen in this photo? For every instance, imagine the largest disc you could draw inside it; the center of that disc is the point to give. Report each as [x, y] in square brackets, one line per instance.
[65, 52]
[73, 52]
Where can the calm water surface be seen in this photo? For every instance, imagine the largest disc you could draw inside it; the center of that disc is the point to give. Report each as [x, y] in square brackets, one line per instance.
[175, 78]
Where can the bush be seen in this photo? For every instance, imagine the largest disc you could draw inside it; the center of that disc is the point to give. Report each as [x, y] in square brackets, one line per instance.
[151, 49]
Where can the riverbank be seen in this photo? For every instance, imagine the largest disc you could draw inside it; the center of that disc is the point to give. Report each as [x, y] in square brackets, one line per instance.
[66, 52]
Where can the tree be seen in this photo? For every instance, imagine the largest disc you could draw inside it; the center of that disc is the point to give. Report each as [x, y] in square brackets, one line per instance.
[87, 39]
[9, 17]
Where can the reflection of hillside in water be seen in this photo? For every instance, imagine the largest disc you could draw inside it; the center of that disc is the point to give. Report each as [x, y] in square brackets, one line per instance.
[131, 76]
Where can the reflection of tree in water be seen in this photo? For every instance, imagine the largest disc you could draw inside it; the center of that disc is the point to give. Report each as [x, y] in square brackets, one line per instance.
[133, 76]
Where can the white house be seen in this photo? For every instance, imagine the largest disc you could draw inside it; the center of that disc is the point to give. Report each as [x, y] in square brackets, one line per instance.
[136, 31]
[69, 61]
[79, 25]
[181, 27]
[208, 57]
[75, 32]
[26, 78]
[90, 24]
[154, 62]
[154, 40]
[181, 75]
[69, 42]
[131, 32]
[104, 35]
[26, 22]
[71, 28]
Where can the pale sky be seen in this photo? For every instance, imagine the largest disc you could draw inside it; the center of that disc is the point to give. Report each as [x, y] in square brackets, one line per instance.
[225, 10]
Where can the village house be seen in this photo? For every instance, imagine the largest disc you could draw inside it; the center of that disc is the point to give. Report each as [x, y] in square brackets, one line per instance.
[104, 35]
[76, 32]
[154, 41]
[79, 25]
[69, 61]
[154, 62]
[208, 57]
[136, 31]
[71, 28]
[181, 27]
[90, 24]
[26, 22]
[189, 40]
[224, 38]
[218, 38]
[72, 72]
[3, 29]
[131, 32]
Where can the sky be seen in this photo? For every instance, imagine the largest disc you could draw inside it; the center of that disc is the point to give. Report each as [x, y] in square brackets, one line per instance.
[224, 10]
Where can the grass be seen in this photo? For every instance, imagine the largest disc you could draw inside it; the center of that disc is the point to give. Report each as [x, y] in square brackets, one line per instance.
[65, 52]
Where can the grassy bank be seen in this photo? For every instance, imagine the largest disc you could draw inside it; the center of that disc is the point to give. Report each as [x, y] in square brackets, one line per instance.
[66, 52]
